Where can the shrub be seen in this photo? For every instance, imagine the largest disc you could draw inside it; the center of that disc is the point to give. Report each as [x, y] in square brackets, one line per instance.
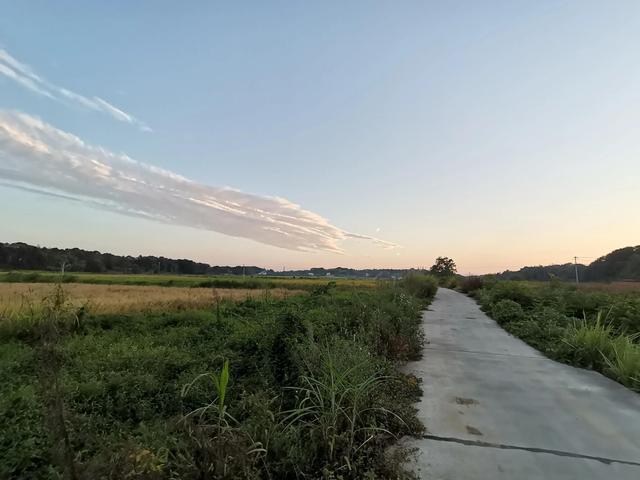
[516, 291]
[471, 284]
[544, 315]
[449, 281]
[507, 311]
[596, 345]
[543, 329]
[421, 285]
[591, 342]
[339, 409]
[623, 363]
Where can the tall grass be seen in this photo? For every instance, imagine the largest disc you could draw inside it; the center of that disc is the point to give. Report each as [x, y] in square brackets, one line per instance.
[598, 345]
[545, 315]
[623, 364]
[337, 405]
[421, 285]
[220, 443]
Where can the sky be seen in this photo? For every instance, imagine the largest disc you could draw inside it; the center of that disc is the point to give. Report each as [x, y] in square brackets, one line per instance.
[292, 134]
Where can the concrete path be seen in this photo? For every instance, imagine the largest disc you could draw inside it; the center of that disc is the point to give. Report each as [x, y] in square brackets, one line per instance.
[495, 408]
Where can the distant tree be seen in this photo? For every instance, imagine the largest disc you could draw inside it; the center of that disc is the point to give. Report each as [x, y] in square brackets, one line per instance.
[444, 266]
[94, 265]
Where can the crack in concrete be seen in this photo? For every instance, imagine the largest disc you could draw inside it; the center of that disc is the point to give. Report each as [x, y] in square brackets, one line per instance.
[474, 352]
[502, 446]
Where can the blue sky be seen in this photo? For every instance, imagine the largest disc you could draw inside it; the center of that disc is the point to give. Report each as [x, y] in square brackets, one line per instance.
[497, 133]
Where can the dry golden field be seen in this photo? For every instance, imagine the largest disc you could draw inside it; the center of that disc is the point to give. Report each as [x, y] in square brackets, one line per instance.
[613, 287]
[127, 298]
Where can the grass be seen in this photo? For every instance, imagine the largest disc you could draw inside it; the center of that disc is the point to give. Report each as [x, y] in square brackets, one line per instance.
[163, 280]
[421, 285]
[304, 386]
[585, 326]
[613, 287]
[99, 299]
[597, 345]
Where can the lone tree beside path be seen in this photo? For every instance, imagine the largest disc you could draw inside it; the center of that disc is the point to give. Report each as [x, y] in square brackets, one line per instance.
[444, 267]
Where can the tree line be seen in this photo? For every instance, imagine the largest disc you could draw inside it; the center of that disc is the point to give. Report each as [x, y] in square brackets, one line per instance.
[21, 256]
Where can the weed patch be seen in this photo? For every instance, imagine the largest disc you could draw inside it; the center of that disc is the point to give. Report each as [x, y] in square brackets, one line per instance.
[297, 387]
[583, 327]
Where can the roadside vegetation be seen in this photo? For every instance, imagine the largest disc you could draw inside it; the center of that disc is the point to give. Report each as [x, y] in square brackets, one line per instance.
[267, 388]
[582, 326]
[445, 270]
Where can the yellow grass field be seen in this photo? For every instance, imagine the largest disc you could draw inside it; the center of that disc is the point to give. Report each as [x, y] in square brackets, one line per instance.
[128, 298]
[613, 287]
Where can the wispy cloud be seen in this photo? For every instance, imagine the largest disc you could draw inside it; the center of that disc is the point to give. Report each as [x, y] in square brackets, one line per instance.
[39, 157]
[26, 77]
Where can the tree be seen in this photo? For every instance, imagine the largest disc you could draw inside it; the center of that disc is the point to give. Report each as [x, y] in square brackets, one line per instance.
[444, 266]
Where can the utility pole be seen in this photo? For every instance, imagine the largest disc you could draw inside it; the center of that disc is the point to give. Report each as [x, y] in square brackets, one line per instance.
[575, 263]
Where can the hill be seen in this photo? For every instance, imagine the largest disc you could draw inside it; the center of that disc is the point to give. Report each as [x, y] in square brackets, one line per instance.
[622, 264]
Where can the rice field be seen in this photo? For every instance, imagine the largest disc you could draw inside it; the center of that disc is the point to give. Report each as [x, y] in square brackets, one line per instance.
[98, 299]
[165, 280]
[613, 287]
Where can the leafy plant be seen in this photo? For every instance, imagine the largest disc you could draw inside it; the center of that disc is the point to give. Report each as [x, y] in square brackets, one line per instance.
[506, 311]
[471, 284]
[544, 315]
[421, 285]
[337, 405]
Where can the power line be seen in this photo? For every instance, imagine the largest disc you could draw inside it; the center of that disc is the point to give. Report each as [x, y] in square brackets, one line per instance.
[575, 264]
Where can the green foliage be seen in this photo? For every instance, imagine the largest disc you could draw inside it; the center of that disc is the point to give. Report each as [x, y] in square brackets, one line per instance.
[187, 281]
[220, 382]
[420, 285]
[591, 342]
[543, 329]
[471, 284]
[337, 406]
[518, 292]
[545, 316]
[598, 345]
[623, 361]
[444, 266]
[120, 388]
[505, 311]
[448, 281]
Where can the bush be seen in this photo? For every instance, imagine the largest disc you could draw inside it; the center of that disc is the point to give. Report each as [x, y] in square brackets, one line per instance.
[596, 345]
[543, 329]
[507, 311]
[516, 291]
[544, 316]
[421, 285]
[623, 362]
[449, 281]
[471, 284]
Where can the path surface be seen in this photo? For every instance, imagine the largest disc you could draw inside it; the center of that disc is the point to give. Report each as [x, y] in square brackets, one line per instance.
[495, 408]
